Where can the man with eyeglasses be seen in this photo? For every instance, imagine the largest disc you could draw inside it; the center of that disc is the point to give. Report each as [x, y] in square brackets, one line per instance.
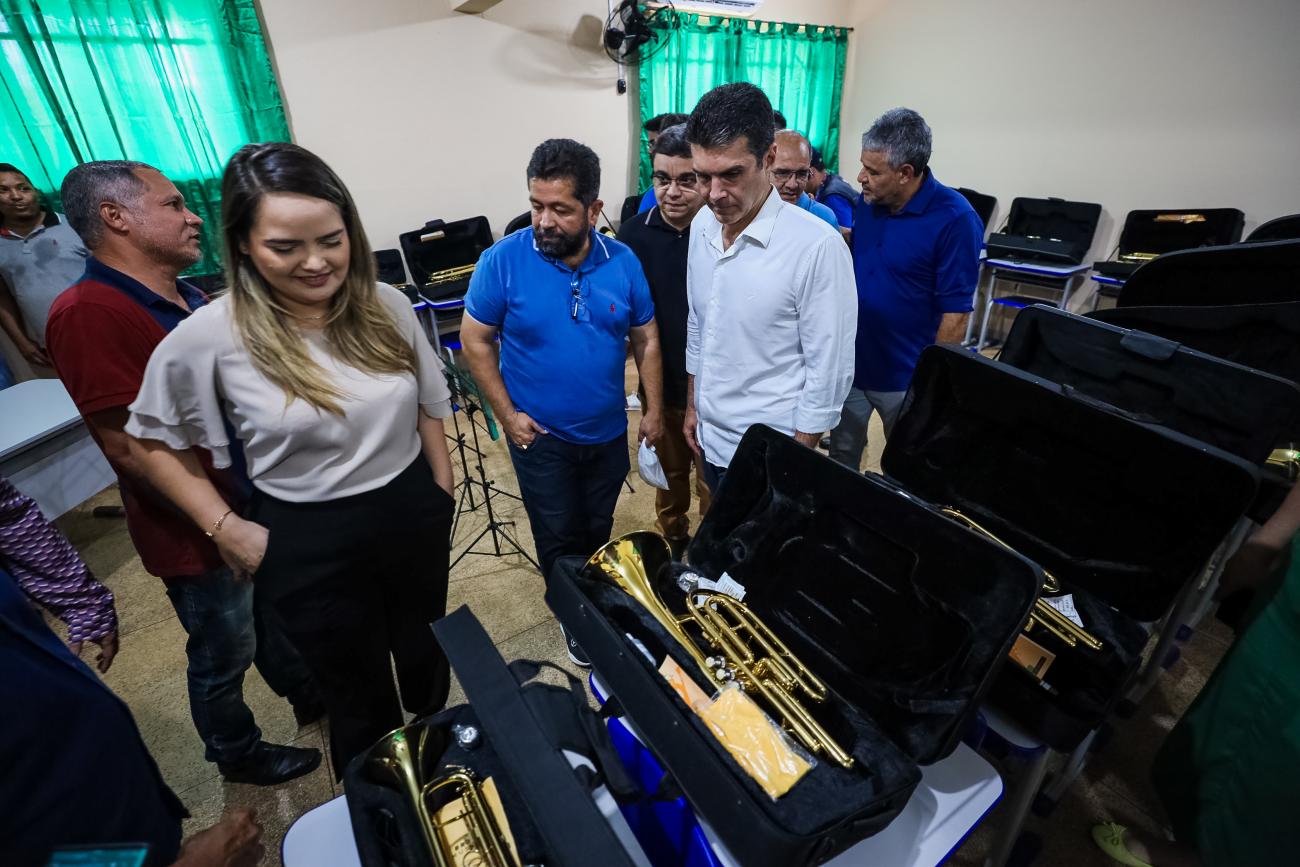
[564, 299]
[660, 238]
[773, 311]
[790, 172]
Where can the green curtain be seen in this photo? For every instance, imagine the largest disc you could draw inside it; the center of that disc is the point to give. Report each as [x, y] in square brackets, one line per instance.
[180, 85]
[799, 66]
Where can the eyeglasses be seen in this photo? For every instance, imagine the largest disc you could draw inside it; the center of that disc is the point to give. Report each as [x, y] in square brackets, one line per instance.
[685, 181]
[783, 176]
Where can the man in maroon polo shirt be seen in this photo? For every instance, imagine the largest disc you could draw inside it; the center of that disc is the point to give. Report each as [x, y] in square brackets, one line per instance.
[100, 335]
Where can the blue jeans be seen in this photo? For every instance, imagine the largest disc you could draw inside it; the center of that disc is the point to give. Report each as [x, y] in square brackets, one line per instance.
[569, 492]
[229, 629]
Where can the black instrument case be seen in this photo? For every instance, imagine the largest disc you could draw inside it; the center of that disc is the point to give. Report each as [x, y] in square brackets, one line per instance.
[523, 731]
[906, 615]
[1123, 512]
[441, 246]
[1046, 231]
[1154, 233]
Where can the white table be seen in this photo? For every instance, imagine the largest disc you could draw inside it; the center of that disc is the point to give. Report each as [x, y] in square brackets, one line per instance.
[953, 798]
[1009, 269]
[46, 451]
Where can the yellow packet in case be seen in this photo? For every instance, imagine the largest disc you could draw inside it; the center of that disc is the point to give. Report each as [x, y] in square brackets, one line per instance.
[756, 743]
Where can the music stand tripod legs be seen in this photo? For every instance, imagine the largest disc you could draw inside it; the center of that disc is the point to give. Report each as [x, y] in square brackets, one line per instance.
[502, 542]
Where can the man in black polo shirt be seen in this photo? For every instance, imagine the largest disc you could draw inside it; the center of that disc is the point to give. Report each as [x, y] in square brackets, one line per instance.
[659, 237]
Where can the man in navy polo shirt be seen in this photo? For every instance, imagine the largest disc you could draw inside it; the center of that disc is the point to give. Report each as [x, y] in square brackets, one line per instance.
[100, 334]
[563, 299]
[916, 247]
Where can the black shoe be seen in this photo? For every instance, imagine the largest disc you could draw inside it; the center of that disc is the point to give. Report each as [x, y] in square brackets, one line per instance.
[825, 443]
[307, 711]
[576, 656]
[270, 764]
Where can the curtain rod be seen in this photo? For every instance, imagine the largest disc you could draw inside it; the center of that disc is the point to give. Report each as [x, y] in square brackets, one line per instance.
[709, 19]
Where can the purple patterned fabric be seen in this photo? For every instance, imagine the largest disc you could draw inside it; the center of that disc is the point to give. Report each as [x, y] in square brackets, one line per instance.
[49, 569]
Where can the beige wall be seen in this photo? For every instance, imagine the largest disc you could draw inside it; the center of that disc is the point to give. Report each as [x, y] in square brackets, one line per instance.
[427, 113]
[1129, 103]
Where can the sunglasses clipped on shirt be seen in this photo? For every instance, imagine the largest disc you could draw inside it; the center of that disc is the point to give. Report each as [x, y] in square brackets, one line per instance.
[578, 300]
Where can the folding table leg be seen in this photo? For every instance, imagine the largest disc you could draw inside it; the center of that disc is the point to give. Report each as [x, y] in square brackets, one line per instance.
[1055, 790]
[1016, 806]
[1190, 604]
[988, 314]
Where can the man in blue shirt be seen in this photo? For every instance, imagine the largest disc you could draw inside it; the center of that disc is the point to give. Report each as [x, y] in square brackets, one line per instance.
[832, 191]
[916, 250]
[564, 299]
[790, 171]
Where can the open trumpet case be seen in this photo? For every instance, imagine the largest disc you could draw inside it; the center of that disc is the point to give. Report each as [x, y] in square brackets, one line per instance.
[903, 613]
[541, 745]
[441, 255]
[1123, 513]
[1047, 231]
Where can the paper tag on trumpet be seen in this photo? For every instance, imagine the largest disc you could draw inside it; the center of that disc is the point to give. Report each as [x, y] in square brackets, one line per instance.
[455, 830]
[754, 741]
[696, 699]
[730, 586]
[1065, 605]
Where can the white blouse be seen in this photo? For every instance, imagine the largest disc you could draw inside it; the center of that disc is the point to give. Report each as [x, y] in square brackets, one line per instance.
[201, 375]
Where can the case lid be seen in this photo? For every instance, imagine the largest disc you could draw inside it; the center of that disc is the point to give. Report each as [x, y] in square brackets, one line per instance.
[1263, 273]
[1053, 219]
[1262, 336]
[1125, 510]
[1157, 232]
[1236, 408]
[438, 246]
[901, 611]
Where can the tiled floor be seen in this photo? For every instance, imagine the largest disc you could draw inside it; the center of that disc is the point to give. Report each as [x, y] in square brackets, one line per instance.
[506, 595]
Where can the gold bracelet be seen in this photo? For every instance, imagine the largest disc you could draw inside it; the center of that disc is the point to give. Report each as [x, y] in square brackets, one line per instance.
[216, 525]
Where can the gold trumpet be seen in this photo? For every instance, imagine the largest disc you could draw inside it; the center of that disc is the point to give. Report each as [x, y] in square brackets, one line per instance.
[1044, 615]
[447, 275]
[407, 759]
[748, 651]
[1288, 460]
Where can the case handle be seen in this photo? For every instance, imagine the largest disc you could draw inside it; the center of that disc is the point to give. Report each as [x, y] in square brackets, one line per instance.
[1149, 345]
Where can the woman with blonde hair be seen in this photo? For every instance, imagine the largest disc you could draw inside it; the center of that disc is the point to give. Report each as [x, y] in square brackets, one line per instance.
[329, 384]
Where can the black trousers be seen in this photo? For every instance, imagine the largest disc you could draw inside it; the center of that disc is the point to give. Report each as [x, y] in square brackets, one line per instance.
[357, 581]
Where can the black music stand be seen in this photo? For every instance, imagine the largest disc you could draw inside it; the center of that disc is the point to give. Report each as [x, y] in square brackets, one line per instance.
[465, 392]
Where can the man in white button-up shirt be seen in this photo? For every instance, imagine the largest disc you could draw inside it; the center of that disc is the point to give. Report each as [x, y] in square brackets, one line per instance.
[773, 304]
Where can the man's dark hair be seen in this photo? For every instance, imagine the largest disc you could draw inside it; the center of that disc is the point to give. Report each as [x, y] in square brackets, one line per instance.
[817, 162]
[729, 112]
[661, 122]
[89, 185]
[566, 158]
[672, 142]
[778, 119]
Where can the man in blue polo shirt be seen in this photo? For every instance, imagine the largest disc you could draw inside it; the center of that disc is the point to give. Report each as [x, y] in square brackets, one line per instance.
[916, 250]
[564, 300]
